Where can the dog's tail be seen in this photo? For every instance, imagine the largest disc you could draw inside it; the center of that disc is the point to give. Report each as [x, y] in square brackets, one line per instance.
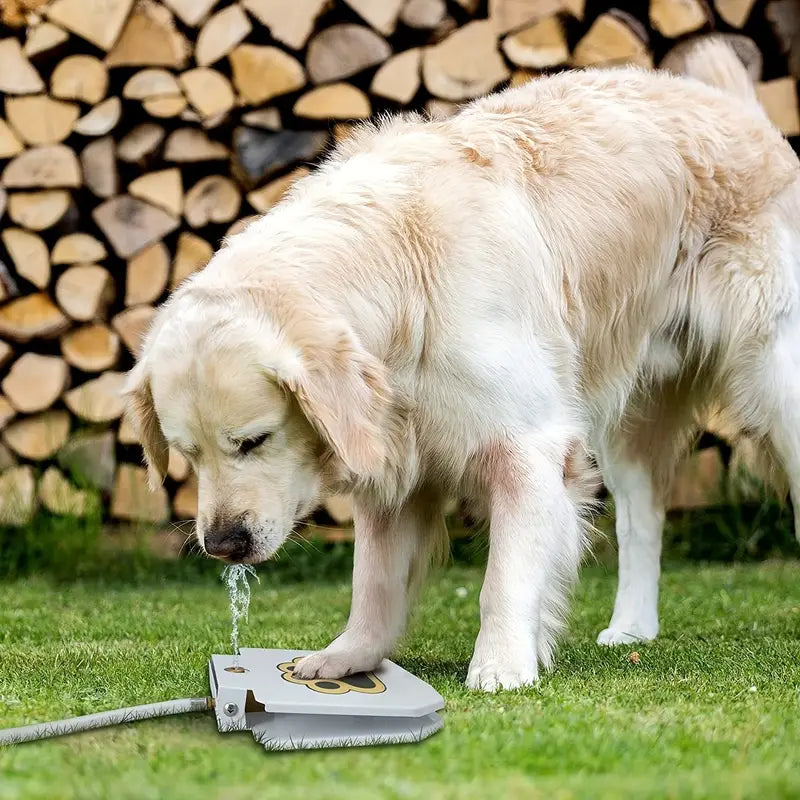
[713, 61]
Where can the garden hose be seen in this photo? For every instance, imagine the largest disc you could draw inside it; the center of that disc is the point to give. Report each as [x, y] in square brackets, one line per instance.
[104, 719]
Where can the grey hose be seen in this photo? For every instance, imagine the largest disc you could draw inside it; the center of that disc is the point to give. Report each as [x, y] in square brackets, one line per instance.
[119, 716]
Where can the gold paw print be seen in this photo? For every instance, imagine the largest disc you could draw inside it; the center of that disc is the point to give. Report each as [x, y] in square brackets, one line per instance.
[364, 682]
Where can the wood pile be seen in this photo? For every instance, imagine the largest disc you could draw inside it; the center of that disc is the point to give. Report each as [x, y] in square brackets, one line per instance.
[135, 133]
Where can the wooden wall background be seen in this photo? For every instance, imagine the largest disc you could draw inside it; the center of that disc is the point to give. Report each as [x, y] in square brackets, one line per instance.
[135, 133]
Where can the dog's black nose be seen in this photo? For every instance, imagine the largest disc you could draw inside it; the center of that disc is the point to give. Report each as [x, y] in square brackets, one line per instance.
[231, 542]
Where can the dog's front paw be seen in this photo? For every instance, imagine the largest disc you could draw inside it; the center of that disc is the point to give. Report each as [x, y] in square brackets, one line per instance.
[333, 664]
[493, 675]
[627, 634]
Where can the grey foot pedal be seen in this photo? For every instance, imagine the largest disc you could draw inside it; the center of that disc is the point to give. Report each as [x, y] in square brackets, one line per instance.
[259, 693]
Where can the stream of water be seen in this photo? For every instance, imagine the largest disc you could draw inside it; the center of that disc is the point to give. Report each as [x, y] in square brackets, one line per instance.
[236, 579]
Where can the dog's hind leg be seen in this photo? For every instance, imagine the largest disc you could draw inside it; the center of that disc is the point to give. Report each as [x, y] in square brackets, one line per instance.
[639, 525]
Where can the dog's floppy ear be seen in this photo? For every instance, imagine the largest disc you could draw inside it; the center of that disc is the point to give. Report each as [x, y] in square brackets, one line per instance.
[344, 393]
[140, 402]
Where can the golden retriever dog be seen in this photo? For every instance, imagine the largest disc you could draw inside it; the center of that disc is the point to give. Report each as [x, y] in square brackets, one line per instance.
[470, 307]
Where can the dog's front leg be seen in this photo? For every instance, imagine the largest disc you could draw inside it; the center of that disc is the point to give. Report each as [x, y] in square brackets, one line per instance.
[535, 545]
[391, 553]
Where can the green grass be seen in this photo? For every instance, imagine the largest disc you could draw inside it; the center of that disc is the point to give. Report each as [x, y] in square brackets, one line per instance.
[711, 710]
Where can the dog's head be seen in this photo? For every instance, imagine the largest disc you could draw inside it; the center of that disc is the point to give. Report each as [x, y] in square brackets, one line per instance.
[268, 398]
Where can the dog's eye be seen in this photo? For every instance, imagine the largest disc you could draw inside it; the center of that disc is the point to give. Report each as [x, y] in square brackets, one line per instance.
[248, 445]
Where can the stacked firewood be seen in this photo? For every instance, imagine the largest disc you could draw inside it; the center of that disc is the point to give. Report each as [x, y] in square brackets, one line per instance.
[136, 133]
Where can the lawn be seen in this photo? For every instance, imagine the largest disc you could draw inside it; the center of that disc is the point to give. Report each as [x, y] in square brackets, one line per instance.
[710, 710]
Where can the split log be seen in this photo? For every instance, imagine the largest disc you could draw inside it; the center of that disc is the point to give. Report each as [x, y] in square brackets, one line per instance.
[39, 119]
[240, 224]
[132, 498]
[261, 73]
[76, 248]
[178, 468]
[80, 77]
[151, 83]
[38, 437]
[49, 167]
[264, 198]
[614, 38]
[150, 39]
[191, 12]
[85, 291]
[333, 101]
[191, 254]
[6, 351]
[466, 64]
[784, 17]
[7, 458]
[735, 12]
[269, 118]
[290, 28]
[35, 382]
[779, 99]
[38, 210]
[100, 167]
[98, 21]
[399, 78]
[220, 34]
[166, 106]
[426, 14]
[340, 508]
[208, 91]
[43, 37]
[131, 224]
[7, 412]
[17, 496]
[261, 154]
[190, 145]
[101, 119]
[163, 189]
[542, 45]
[91, 348]
[17, 74]
[29, 254]
[99, 399]
[10, 145]
[32, 317]
[344, 50]
[147, 275]
[673, 18]
[141, 143]
[126, 433]
[132, 324]
[90, 458]
[379, 14]
[698, 482]
[511, 15]
[213, 199]
[60, 497]
[184, 504]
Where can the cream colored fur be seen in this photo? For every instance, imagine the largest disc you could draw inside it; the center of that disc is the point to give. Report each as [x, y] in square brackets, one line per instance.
[468, 307]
